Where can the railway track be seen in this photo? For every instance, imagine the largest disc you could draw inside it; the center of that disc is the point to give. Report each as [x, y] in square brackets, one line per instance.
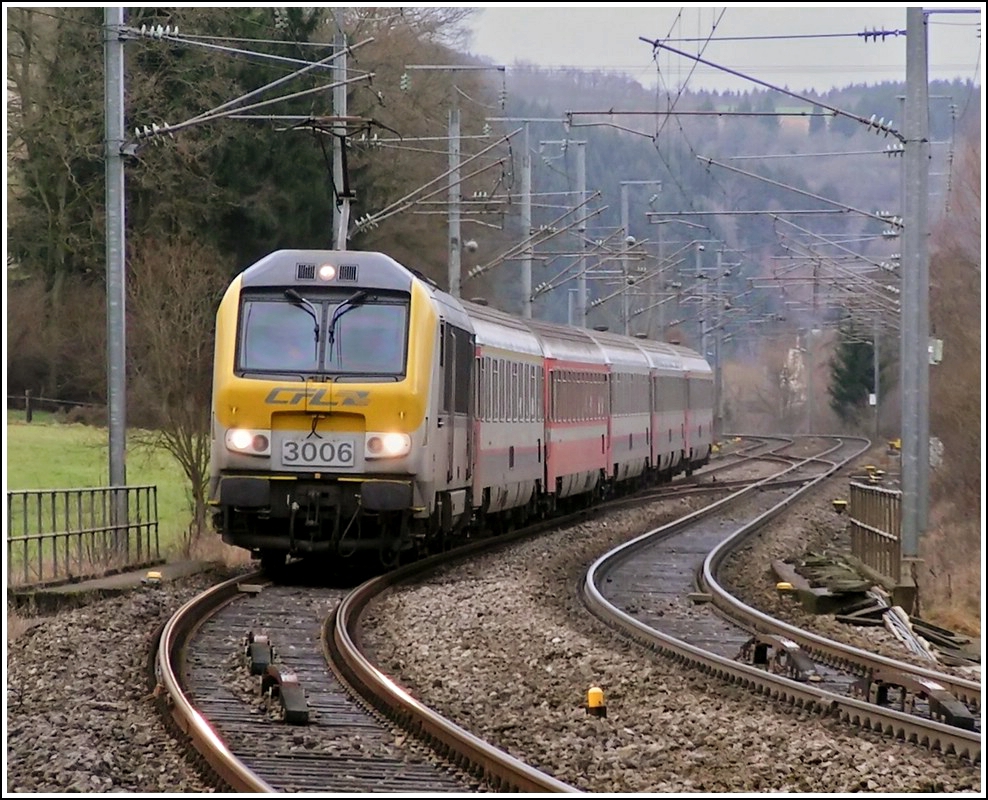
[252, 749]
[202, 669]
[312, 733]
[345, 742]
[661, 589]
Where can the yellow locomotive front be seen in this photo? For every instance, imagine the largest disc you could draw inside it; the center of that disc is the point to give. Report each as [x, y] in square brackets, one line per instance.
[322, 380]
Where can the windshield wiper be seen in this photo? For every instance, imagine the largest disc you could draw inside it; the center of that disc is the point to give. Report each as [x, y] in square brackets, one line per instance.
[297, 300]
[347, 305]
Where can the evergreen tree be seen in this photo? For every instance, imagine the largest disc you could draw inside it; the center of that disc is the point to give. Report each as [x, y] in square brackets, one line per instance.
[852, 374]
[766, 105]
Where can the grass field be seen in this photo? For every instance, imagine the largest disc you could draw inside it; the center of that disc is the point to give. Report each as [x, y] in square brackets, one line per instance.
[47, 454]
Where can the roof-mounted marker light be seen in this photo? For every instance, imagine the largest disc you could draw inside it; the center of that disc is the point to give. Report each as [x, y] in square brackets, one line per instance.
[327, 272]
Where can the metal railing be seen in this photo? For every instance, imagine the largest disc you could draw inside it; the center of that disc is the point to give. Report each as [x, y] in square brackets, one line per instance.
[874, 516]
[56, 535]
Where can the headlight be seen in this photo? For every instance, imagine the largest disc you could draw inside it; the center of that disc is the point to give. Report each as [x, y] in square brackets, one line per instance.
[253, 443]
[387, 445]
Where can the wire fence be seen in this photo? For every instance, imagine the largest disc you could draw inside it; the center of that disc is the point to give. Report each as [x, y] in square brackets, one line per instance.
[30, 403]
[60, 535]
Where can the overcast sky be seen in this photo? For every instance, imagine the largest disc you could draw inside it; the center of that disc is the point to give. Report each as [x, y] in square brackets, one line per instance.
[595, 36]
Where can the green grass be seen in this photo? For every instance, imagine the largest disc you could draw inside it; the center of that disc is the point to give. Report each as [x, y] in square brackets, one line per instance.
[46, 454]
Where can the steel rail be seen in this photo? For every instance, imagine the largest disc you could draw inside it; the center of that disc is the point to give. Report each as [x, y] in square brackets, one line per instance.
[174, 637]
[936, 735]
[504, 771]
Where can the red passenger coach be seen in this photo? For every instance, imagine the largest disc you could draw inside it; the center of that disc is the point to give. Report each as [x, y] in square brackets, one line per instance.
[577, 404]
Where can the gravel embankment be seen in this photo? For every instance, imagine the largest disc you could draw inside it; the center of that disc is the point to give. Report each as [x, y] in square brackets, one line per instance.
[79, 714]
[504, 648]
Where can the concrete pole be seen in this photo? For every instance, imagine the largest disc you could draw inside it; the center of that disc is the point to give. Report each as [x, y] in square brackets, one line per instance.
[878, 397]
[914, 321]
[581, 233]
[526, 225]
[625, 233]
[918, 89]
[809, 380]
[116, 293]
[718, 332]
[811, 348]
[703, 299]
[341, 209]
[661, 279]
[454, 196]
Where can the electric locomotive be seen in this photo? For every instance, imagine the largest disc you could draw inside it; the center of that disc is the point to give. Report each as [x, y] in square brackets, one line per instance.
[341, 391]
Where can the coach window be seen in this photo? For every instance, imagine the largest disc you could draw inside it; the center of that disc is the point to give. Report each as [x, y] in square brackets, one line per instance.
[502, 379]
[526, 376]
[537, 392]
[515, 398]
[571, 397]
[554, 409]
[556, 389]
[465, 351]
[478, 388]
[555, 396]
[507, 391]
[446, 360]
[523, 392]
[526, 392]
[567, 396]
[551, 408]
[520, 391]
[488, 391]
[496, 390]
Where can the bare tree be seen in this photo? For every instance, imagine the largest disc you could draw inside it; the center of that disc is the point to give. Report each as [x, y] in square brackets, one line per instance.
[174, 289]
[956, 314]
[952, 576]
[767, 396]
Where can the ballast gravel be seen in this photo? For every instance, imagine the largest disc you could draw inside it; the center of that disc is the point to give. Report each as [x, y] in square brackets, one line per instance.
[504, 648]
[80, 715]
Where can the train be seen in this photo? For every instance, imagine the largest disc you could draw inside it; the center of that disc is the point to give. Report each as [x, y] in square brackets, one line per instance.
[359, 409]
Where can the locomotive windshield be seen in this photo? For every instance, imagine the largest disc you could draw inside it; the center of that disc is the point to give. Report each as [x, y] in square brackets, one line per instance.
[335, 337]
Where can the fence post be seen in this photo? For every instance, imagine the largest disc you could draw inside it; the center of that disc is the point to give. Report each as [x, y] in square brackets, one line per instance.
[27, 405]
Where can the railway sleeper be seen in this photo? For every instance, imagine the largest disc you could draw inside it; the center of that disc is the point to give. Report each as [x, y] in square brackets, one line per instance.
[282, 684]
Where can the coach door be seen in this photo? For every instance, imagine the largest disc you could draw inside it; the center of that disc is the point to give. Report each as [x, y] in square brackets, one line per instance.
[456, 361]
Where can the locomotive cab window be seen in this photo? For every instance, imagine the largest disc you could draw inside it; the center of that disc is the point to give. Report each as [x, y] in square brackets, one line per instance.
[337, 336]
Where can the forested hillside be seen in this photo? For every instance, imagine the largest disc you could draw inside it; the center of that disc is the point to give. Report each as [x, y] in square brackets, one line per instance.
[781, 193]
